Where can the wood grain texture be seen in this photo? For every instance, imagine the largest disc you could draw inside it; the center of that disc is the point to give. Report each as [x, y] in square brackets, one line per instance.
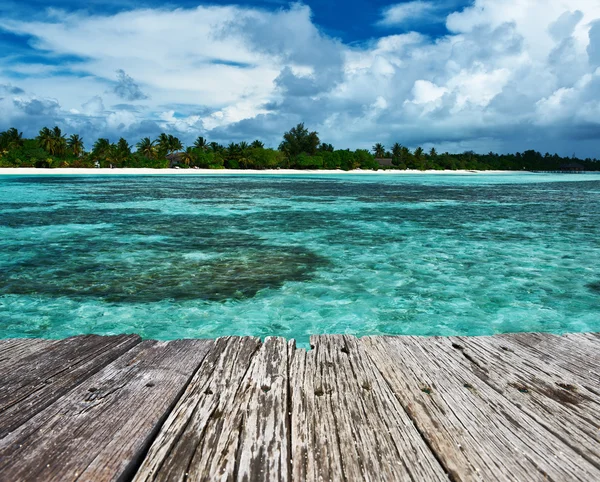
[347, 423]
[13, 350]
[476, 432]
[200, 437]
[579, 358]
[32, 383]
[544, 392]
[263, 450]
[100, 430]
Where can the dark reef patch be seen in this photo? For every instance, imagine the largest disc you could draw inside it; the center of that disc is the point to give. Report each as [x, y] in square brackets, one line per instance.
[153, 276]
[595, 287]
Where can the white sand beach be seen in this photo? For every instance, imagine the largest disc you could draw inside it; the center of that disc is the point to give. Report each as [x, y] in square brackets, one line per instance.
[27, 171]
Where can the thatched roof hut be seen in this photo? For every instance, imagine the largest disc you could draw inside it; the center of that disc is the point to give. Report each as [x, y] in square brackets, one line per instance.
[384, 161]
[175, 159]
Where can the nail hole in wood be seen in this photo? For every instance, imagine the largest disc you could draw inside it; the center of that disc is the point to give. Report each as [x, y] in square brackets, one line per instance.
[468, 385]
[265, 388]
[457, 346]
[344, 350]
[505, 348]
[92, 389]
[319, 392]
[427, 390]
[208, 391]
[150, 384]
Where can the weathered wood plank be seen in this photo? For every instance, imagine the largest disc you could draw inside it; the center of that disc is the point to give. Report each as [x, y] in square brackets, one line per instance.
[100, 430]
[579, 359]
[198, 441]
[13, 350]
[568, 411]
[315, 450]
[476, 432]
[263, 451]
[46, 374]
[347, 423]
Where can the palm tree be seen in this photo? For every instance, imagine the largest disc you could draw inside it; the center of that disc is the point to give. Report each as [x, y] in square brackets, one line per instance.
[101, 148]
[146, 148]
[215, 147]
[174, 144]
[123, 147]
[45, 139]
[243, 148]
[257, 144]
[379, 150]
[15, 138]
[162, 144]
[433, 153]
[59, 143]
[188, 156]
[201, 144]
[120, 152]
[233, 150]
[11, 139]
[75, 143]
[418, 154]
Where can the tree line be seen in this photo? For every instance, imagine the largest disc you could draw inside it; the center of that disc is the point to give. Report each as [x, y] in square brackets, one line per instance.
[299, 149]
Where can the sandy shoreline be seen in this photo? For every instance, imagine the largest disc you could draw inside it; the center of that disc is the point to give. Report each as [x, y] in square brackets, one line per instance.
[22, 171]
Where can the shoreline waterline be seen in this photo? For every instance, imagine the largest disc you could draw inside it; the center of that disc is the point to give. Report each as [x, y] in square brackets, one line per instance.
[148, 171]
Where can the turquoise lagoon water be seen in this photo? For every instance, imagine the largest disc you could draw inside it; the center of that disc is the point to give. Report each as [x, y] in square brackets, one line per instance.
[206, 256]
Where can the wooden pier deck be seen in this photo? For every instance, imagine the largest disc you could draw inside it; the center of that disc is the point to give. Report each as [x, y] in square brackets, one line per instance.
[509, 407]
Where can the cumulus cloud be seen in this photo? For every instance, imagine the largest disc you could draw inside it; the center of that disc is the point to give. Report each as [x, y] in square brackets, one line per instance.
[403, 12]
[593, 49]
[127, 89]
[37, 107]
[508, 76]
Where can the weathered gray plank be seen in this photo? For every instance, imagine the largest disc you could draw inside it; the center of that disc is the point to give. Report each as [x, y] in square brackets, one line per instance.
[45, 375]
[13, 350]
[315, 451]
[198, 441]
[593, 338]
[263, 450]
[579, 359]
[100, 430]
[347, 423]
[567, 410]
[476, 432]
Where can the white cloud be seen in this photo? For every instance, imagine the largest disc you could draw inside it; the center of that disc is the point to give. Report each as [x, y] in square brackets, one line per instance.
[403, 12]
[507, 74]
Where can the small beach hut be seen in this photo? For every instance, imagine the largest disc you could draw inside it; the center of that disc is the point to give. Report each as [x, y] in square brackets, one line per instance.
[384, 161]
[572, 167]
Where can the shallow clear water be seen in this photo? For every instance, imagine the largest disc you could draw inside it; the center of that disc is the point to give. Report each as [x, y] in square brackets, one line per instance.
[205, 256]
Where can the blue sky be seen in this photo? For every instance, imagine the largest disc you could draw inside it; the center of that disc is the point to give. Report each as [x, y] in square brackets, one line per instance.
[501, 75]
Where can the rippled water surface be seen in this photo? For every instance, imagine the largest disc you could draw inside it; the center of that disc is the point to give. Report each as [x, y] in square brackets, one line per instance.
[205, 256]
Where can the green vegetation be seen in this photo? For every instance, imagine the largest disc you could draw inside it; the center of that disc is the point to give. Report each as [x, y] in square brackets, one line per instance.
[300, 149]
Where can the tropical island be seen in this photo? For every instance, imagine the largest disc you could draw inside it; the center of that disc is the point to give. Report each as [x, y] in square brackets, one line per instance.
[300, 149]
